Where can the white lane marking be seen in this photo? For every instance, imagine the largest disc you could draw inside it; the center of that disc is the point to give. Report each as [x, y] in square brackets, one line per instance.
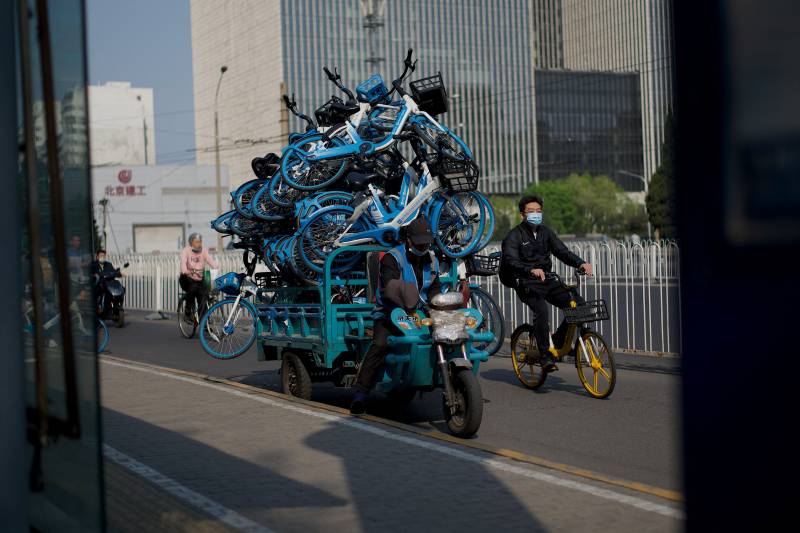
[185, 494]
[607, 494]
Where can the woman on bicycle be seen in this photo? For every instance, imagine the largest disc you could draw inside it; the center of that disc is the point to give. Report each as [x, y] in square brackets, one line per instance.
[194, 259]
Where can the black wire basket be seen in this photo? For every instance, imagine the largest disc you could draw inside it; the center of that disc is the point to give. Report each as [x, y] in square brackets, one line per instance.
[483, 265]
[457, 175]
[430, 94]
[330, 112]
[591, 311]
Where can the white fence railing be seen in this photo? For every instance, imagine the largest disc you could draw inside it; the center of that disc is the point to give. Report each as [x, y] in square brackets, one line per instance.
[640, 283]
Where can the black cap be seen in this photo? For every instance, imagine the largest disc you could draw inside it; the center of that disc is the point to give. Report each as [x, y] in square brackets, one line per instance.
[419, 231]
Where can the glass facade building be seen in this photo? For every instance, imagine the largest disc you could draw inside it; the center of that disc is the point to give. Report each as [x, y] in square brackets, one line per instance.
[483, 50]
[589, 122]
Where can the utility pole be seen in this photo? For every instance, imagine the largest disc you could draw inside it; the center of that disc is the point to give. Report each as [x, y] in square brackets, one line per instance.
[104, 204]
[372, 11]
[144, 124]
[222, 71]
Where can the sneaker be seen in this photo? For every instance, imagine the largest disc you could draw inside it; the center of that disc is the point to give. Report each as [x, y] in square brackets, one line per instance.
[548, 363]
[359, 404]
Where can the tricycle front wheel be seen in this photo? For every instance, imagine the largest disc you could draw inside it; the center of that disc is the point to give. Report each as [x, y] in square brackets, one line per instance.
[466, 419]
[295, 379]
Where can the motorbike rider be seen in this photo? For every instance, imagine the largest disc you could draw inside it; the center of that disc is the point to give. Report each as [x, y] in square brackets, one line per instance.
[102, 270]
[526, 256]
[409, 272]
[194, 258]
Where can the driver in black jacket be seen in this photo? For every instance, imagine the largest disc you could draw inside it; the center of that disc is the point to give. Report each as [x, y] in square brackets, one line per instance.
[526, 251]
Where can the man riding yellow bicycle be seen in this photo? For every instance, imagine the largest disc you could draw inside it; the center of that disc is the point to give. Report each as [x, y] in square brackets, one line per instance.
[525, 266]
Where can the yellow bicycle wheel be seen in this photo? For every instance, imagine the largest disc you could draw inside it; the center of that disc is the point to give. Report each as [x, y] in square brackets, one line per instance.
[525, 356]
[595, 364]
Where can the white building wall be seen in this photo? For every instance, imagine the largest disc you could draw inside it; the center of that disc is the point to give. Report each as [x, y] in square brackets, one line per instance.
[120, 124]
[245, 36]
[150, 195]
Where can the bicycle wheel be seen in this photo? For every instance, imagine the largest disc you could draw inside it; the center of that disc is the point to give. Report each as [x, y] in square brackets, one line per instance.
[307, 175]
[443, 141]
[489, 225]
[265, 207]
[186, 325]
[244, 195]
[596, 368]
[525, 356]
[492, 319]
[318, 235]
[458, 222]
[102, 336]
[228, 330]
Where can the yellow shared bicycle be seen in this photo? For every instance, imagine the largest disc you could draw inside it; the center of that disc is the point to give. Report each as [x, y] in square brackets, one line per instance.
[593, 358]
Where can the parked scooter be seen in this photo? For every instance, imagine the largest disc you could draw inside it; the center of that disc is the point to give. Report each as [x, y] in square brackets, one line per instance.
[111, 295]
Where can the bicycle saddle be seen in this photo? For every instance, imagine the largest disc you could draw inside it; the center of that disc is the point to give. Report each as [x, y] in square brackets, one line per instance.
[266, 166]
[358, 181]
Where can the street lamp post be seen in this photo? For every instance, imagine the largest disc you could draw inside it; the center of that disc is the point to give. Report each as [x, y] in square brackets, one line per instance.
[222, 71]
[644, 181]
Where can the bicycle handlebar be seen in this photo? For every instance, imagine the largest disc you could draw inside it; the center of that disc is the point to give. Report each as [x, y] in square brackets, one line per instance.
[291, 105]
[397, 84]
[335, 78]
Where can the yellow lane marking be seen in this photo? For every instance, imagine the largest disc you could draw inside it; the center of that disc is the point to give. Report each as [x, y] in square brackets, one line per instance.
[643, 488]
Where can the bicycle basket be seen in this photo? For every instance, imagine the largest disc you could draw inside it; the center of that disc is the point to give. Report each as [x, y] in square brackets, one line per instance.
[591, 311]
[430, 94]
[483, 265]
[457, 175]
[229, 283]
[266, 280]
[329, 113]
[373, 90]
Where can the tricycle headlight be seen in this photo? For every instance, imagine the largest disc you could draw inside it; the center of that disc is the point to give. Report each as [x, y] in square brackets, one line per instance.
[471, 321]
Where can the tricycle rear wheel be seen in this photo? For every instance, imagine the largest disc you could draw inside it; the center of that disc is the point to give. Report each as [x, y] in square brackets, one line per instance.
[295, 379]
[466, 420]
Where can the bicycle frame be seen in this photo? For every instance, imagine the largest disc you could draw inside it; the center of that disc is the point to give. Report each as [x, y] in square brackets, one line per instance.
[407, 214]
[363, 147]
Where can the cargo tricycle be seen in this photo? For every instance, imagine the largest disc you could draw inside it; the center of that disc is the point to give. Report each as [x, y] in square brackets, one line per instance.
[322, 333]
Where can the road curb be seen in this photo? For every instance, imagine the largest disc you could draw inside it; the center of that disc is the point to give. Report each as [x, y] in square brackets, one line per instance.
[643, 488]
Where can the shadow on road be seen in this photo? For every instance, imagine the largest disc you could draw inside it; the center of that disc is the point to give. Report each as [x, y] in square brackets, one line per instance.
[553, 383]
[400, 487]
[227, 479]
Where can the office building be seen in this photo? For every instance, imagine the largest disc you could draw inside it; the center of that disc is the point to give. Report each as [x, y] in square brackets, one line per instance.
[271, 47]
[589, 122]
[121, 126]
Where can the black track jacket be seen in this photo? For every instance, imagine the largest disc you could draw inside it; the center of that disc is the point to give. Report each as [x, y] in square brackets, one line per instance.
[524, 250]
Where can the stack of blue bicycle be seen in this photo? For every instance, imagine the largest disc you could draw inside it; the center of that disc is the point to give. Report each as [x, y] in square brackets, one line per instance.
[366, 167]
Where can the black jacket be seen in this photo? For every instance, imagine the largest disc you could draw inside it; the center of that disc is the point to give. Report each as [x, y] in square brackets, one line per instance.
[524, 250]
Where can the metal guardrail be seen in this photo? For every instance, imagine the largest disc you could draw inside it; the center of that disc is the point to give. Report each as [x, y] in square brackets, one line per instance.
[639, 281]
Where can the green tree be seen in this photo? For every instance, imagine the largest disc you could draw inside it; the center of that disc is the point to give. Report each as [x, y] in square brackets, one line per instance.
[582, 204]
[660, 199]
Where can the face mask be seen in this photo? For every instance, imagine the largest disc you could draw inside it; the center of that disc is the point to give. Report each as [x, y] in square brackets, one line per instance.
[197, 250]
[101, 259]
[419, 253]
[534, 218]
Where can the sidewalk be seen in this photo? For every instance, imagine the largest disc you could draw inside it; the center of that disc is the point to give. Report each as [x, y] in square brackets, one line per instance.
[190, 455]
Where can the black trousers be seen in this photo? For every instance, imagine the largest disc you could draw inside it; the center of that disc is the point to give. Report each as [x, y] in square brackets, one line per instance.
[196, 292]
[376, 355]
[536, 295]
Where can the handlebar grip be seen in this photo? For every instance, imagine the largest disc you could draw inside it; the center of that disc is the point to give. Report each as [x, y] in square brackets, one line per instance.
[286, 100]
[329, 74]
[408, 57]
